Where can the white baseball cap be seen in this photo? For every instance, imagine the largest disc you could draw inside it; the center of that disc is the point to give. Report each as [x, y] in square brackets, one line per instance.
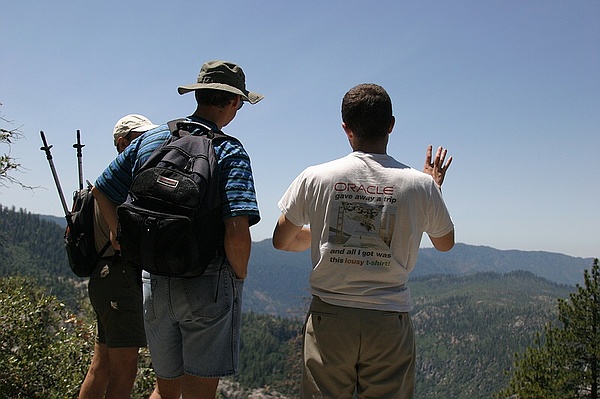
[131, 123]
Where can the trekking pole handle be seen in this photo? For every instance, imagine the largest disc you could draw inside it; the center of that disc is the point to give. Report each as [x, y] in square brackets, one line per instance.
[79, 146]
[46, 147]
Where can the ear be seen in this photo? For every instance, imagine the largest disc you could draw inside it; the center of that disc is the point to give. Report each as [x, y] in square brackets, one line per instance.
[347, 130]
[392, 125]
[122, 143]
[236, 103]
[349, 135]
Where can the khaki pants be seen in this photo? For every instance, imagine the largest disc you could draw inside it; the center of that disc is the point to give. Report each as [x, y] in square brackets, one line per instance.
[348, 349]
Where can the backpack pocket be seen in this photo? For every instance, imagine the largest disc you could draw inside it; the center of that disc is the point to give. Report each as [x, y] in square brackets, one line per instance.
[159, 243]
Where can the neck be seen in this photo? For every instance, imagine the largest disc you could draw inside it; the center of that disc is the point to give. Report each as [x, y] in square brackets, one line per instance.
[215, 115]
[370, 150]
[374, 147]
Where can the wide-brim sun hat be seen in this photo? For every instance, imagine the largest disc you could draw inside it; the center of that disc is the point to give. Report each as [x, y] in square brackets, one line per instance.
[222, 75]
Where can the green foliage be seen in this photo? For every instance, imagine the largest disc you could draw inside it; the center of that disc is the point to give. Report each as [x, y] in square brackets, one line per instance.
[269, 355]
[145, 380]
[540, 372]
[44, 350]
[31, 246]
[565, 361]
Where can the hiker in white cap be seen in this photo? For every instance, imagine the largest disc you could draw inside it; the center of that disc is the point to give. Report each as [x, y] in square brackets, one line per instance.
[115, 293]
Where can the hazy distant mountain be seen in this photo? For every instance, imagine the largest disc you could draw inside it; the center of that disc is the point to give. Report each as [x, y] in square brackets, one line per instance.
[467, 259]
[278, 281]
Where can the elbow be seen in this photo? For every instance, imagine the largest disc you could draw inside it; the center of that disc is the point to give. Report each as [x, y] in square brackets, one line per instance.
[445, 243]
[276, 244]
[444, 247]
[289, 237]
[279, 243]
[285, 243]
[280, 240]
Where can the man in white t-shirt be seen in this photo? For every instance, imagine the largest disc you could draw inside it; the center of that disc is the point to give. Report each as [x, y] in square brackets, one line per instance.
[363, 217]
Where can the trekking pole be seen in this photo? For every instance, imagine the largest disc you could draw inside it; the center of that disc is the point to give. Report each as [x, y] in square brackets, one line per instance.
[79, 146]
[46, 148]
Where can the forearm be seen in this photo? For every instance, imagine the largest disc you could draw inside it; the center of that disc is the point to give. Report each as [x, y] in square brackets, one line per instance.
[289, 237]
[108, 209]
[298, 243]
[237, 244]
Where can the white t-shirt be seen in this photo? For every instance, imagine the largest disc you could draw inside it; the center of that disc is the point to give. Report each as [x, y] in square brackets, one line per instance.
[367, 214]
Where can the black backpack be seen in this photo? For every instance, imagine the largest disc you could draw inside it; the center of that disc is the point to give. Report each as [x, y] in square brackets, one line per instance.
[171, 223]
[79, 234]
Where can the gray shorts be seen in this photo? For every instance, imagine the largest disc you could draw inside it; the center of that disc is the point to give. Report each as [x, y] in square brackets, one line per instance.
[193, 324]
[115, 292]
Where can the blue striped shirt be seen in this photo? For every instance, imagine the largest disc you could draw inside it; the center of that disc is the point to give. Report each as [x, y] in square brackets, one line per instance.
[238, 195]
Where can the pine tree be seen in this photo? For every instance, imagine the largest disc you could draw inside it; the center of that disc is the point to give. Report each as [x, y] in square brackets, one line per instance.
[565, 361]
[581, 319]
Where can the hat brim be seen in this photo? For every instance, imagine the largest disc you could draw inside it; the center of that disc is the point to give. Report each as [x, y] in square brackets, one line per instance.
[249, 96]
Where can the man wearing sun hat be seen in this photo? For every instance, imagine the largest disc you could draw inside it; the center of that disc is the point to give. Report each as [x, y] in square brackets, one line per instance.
[193, 324]
[116, 297]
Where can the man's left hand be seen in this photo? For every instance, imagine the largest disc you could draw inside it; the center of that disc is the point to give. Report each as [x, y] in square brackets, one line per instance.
[437, 168]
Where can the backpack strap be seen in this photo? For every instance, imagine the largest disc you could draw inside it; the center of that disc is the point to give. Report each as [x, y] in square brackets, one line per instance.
[103, 250]
[185, 127]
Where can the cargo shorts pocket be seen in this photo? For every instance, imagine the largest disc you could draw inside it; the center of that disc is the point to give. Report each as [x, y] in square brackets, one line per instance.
[148, 289]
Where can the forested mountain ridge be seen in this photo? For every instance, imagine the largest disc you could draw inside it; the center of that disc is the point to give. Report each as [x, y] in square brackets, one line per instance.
[468, 321]
[33, 246]
[277, 281]
[468, 329]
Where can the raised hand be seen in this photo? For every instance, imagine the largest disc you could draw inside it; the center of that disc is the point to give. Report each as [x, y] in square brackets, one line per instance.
[436, 167]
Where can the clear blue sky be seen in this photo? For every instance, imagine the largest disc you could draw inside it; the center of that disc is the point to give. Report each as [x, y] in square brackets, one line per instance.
[512, 88]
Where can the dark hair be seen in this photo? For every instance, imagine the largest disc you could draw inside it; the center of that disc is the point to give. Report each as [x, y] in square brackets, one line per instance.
[212, 97]
[367, 111]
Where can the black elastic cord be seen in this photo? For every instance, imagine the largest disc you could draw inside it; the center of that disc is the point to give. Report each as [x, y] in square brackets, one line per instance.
[219, 279]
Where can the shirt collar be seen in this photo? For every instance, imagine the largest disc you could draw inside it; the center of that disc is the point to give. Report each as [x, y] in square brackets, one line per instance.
[204, 122]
